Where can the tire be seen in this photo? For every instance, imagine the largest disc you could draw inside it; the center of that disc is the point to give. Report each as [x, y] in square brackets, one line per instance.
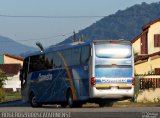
[101, 105]
[70, 101]
[109, 104]
[63, 105]
[33, 102]
[79, 105]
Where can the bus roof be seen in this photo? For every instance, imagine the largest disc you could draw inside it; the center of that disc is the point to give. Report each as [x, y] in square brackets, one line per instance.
[120, 41]
[77, 44]
[66, 46]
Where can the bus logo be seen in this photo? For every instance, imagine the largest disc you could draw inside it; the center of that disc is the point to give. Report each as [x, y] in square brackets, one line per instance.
[113, 80]
[45, 77]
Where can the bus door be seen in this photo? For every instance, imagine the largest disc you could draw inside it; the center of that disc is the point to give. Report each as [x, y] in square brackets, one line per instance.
[24, 79]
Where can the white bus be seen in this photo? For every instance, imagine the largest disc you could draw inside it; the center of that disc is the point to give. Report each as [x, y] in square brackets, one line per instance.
[100, 71]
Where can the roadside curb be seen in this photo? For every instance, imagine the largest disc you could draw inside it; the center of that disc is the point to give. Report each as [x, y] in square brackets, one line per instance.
[116, 105]
[10, 101]
[136, 105]
[14, 103]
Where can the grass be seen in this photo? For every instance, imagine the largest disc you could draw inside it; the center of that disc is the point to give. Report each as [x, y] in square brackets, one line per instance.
[12, 96]
[137, 103]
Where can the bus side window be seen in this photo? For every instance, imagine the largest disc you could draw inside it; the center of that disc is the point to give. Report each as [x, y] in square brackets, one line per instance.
[41, 63]
[57, 63]
[48, 61]
[76, 53]
[67, 55]
[85, 54]
[37, 63]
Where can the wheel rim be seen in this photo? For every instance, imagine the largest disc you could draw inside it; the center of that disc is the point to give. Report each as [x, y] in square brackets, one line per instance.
[70, 102]
[70, 99]
[34, 101]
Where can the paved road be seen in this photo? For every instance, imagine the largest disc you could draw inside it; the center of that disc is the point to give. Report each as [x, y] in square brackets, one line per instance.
[87, 111]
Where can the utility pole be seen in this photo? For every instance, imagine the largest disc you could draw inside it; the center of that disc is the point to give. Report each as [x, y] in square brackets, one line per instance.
[82, 38]
[74, 36]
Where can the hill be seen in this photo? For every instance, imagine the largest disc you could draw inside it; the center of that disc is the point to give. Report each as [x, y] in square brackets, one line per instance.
[124, 24]
[10, 46]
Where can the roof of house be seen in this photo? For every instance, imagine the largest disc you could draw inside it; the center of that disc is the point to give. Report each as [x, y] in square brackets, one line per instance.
[149, 24]
[135, 39]
[144, 57]
[10, 69]
[145, 28]
[15, 57]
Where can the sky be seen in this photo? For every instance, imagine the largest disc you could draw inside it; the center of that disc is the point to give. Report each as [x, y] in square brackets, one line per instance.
[49, 31]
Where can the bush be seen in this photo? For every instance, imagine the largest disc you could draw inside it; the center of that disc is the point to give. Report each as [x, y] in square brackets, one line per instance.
[2, 95]
[3, 78]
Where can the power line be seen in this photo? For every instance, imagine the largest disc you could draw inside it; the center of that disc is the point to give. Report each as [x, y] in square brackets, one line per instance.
[51, 17]
[44, 38]
[63, 17]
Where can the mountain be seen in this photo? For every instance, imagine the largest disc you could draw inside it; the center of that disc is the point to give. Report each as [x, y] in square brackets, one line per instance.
[124, 24]
[10, 46]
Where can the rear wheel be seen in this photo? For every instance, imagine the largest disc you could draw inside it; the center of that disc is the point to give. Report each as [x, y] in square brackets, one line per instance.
[70, 99]
[63, 105]
[109, 104]
[33, 101]
[101, 105]
[79, 105]
[71, 102]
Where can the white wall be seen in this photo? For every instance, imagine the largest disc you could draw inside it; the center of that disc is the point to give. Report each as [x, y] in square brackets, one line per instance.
[13, 82]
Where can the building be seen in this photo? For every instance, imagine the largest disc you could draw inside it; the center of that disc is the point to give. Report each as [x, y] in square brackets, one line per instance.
[11, 59]
[12, 71]
[146, 48]
[11, 65]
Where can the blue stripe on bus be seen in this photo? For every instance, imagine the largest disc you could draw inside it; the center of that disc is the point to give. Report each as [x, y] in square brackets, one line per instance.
[45, 88]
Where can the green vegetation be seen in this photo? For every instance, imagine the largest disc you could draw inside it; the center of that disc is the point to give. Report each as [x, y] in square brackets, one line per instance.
[6, 95]
[3, 77]
[2, 95]
[136, 88]
[12, 96]
[137, 103]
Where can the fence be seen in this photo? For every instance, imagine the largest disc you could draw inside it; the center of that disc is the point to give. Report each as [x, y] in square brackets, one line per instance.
[146, 82]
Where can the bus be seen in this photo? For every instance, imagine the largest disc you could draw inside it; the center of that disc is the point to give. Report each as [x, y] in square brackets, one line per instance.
[100, 71]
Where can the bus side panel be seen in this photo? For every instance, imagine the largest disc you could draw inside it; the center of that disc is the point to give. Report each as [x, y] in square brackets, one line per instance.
[80, 75]
[49, 86]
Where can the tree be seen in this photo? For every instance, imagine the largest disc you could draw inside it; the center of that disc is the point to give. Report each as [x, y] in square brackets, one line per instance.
[3, 77]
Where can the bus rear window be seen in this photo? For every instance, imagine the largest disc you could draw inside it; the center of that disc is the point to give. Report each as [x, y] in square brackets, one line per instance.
[113, 50]
[118, 72]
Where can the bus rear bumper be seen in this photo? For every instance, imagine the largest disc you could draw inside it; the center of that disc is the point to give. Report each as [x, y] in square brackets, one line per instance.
[112, 93]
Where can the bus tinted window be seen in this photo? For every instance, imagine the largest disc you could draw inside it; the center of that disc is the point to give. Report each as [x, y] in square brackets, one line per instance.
[49, 61]
[117, 72]
[76, 53]
[57, 63]
[85, 54]
[113, 51]
[67, 55]
[37, 63]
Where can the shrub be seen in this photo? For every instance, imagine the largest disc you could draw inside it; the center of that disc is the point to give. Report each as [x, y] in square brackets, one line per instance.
[2, 95]
[3, 77]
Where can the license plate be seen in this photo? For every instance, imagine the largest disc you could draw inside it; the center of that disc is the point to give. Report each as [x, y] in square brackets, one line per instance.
[114, 87]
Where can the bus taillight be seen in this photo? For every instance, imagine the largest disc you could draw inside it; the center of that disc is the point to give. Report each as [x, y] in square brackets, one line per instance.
[132, 80]
[93, 81]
